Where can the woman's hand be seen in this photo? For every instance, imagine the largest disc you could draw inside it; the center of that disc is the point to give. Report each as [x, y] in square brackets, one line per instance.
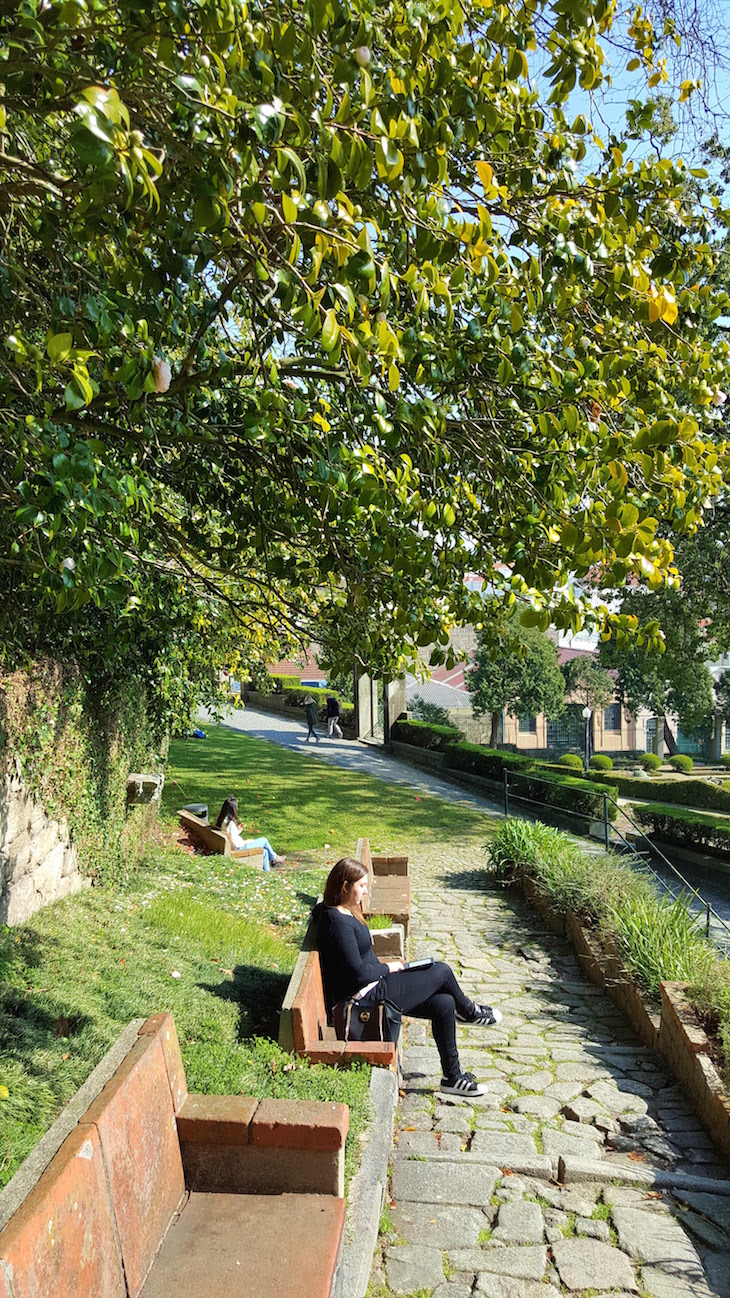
[394, 966]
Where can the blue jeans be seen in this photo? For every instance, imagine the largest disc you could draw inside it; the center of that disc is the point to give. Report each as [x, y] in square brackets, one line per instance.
[269, 852]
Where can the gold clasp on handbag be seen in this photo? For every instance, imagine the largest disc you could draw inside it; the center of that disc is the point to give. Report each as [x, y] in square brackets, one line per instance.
[364, 1016]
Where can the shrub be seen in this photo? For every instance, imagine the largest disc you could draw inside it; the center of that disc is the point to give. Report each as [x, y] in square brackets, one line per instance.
[685, 793]
[575, 797]
[600, 762]
[423, 735]
[680, 762]
[725, 759]
[691, 829]
[572, 760]
[649, 761]
[430, 712]
[490, 763]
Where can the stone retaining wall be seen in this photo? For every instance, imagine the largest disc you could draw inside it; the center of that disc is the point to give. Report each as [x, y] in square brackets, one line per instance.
[38, 864]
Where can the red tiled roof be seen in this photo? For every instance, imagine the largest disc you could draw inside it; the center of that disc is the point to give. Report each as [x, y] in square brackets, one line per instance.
[304, 666]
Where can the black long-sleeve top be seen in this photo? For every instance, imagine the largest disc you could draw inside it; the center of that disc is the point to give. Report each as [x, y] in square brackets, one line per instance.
[346, 955]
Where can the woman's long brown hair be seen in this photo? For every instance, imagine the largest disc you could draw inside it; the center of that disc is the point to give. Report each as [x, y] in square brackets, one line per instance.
[339, 882]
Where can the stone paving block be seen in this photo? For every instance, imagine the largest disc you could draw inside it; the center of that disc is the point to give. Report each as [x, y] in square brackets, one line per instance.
[439, 1225]
[590, 1264]
[714, 1206]
[500, 1286]
[505, 1149]
[437, 1182]
[518, 1262]
[541, 1106]
[417, 1142]
[582, 1131]
[659, 1283]
[717, 1271]
[584, 1110]
[623, 1196]
[452, 1143]
[454, 1121]
[457, 1287]
[409, 1268]
[581, 1072]
[519, 1223]
[533, 1081]
[618, 1100]
[564, 1091]
[705, 1231]
[582, 1201]
[558, 1144]
[656, 1240]
[586, 1228]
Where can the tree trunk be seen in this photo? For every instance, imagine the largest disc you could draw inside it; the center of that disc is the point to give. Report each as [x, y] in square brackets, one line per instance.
[494, 736]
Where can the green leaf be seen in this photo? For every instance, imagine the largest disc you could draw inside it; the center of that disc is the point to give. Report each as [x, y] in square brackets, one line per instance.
[59, 347]
[330, 331]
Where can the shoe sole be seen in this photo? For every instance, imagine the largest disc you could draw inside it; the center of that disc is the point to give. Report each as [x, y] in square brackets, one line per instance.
[476, 1023]
[465, 1095]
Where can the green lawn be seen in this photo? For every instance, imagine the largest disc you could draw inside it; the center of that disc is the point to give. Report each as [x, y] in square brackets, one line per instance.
[78, 971]
[302, 804]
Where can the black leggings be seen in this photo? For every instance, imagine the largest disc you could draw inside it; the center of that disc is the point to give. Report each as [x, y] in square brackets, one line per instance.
[433, 994]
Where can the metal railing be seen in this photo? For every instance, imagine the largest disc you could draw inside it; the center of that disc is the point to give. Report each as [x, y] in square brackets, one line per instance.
[609, 829]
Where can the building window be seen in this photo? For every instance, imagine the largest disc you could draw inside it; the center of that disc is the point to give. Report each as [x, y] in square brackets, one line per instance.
[727, 735]
[612, 717]
[563, 735]
[528, 725]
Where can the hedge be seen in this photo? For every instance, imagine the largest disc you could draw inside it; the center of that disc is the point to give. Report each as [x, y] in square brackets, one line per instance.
[687, 828]
[564, 792]
[422, 734]
[490, 763]
[571, 761]
[685, 793]
[600, 762]
[569, 793]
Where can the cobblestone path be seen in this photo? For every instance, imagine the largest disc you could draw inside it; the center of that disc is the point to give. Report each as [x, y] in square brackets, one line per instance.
[476, 1206]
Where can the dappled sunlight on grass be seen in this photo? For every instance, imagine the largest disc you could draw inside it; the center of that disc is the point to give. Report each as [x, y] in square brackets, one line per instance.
[300, 803]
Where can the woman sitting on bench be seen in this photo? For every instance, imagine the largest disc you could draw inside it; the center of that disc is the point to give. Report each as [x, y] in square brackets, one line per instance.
[228, 822]
[351, 968]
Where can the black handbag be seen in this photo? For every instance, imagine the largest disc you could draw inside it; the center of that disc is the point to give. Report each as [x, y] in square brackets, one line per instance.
[373, 1019]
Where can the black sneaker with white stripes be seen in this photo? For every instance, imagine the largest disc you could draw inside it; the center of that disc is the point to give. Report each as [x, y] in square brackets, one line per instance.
[465, 1084]
[484, 1016]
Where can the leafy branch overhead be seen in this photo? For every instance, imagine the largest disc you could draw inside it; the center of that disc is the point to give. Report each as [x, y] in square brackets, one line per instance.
[309, 309]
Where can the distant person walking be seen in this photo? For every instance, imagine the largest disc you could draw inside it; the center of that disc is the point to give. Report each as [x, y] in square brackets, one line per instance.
[311, 713]
[334, 712]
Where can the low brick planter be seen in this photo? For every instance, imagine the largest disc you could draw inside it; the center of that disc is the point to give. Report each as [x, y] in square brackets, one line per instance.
[686, 1048]
[675, 1032]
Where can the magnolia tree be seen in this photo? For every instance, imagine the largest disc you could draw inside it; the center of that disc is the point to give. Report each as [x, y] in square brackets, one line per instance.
[309, 309]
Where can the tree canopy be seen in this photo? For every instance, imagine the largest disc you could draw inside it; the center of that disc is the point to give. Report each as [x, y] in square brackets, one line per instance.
[520, 673]
[308, 308]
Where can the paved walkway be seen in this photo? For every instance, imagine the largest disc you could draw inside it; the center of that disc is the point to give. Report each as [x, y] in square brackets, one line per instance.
[476, 1207]
[349, 754]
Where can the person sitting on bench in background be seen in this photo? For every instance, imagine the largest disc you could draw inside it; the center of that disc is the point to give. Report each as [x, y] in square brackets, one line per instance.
[351, 968]
[228, 822]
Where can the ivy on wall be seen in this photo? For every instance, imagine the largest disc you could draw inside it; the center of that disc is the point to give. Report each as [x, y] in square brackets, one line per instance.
[75, 742]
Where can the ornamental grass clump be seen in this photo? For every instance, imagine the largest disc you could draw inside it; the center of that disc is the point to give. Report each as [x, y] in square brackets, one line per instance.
[658, 936]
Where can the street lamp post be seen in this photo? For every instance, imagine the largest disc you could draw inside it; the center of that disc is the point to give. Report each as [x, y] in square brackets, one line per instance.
[587, 714]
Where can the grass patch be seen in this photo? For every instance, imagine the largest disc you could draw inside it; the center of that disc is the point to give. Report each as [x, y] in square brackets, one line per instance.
[75, 974]
[303, 804]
